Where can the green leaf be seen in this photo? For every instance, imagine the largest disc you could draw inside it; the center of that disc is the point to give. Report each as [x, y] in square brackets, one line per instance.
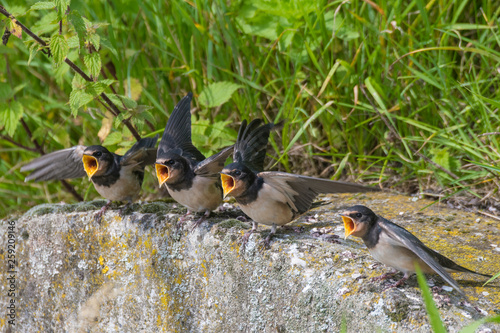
[62, 7]
[59, 48]
[74, 42]
[78, 82]
[112, 139]
[43, 5]
[10, 115]
[120, 101]
[95, 88]
[93, 63]
[432, 311]
[77, 99]
[76, 19]
[95, 39]
[218, 93]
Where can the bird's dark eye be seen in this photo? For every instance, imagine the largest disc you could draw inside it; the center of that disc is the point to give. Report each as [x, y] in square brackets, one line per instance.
[97, 154]
[358, 215]
[171, 162]
[237, 172]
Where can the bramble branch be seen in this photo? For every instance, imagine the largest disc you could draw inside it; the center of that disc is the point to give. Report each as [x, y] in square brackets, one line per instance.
[77, 69]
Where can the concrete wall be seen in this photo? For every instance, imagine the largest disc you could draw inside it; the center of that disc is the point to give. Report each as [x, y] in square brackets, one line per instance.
[140, 273]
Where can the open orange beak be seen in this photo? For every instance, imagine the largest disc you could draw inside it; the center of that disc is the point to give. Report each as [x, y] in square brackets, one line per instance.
[90, 164]
[162, 173]
[227, 184]
[349, 226]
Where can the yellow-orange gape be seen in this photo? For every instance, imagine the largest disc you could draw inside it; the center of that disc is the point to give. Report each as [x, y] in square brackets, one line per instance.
[115, 177]
[396, 247]
[191, 179]
[270, 197]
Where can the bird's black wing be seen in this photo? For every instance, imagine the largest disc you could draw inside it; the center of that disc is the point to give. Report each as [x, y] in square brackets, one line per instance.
[213, 164]
[177, 134]
[433, 259]
[302, 190]
[142, 153]
[60, 164]
[251, 144]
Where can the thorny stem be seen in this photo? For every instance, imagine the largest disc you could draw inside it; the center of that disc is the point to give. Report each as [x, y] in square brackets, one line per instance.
[77, 69]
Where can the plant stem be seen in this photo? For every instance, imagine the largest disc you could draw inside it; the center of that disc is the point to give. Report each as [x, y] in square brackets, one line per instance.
[78, 70]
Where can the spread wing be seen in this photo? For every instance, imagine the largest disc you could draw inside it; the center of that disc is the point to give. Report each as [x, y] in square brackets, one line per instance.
[251, 144]
[301, 191]
[60, 164]
[433, 259]
[213, 164]
[177, 134]
[142, 153]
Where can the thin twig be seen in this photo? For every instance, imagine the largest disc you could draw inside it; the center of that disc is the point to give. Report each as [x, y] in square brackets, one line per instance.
[489, 215]
[6, 138]
[76, 69]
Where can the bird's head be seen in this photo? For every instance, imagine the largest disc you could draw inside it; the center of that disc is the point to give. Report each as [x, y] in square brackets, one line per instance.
[96, 160]
[236, 179]
[170, 168]
[358, 220]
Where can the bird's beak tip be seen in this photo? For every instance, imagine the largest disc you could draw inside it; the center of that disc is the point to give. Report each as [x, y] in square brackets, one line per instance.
[162, 172]
[90, 164]
[349, 225]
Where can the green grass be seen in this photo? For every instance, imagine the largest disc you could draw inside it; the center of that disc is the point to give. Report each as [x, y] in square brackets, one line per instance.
[430, 69]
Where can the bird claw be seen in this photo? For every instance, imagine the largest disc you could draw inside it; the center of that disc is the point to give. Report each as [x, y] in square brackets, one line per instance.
[98, 216]
[397, 283]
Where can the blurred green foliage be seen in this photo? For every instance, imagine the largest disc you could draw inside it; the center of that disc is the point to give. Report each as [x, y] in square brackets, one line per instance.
[431, 68]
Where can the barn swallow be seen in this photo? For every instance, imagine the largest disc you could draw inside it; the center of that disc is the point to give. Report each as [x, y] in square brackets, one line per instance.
[191, 179]
[115, 177]
[271, 198]
[396, 247]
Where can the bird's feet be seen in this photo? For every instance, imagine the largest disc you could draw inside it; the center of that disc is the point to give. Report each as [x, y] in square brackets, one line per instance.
[245, 238]
[384, 276]
[100, 213]
[183, 219]
[398, 283]
[200, 220]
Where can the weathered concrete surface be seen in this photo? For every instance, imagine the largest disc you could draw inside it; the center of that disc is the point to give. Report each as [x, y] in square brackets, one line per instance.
[138, 273]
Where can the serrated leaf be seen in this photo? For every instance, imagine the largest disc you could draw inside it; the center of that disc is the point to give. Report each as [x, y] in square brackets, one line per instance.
[112, 139]
[43, 5]
[107, 82]
[78, 82]
[15, 29]
[79, 24]
[121, 101]
[218, 93]
[95, 88]
[62, 7]
[95, 39]
[10, 115]
[73, 42]
[59, 48]
[119, 119]
[93, 63]
[77, 99]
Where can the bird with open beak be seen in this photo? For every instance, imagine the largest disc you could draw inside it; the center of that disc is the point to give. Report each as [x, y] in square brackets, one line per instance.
[396, 247]
[271, 198]
[115, 177]
[191, 179]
